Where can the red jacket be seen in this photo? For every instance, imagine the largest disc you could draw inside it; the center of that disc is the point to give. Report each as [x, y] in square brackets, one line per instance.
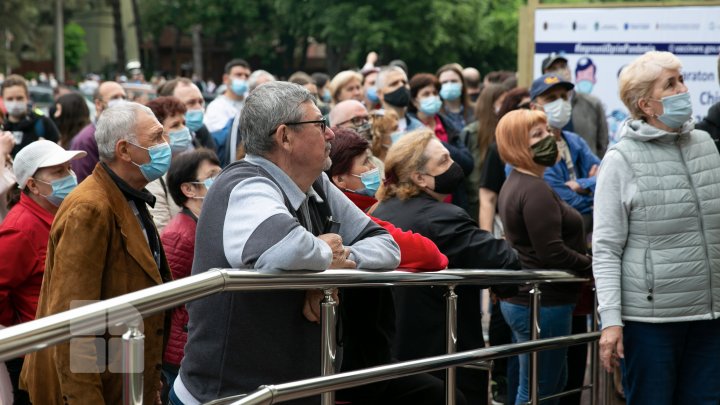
[417, 253]
[23, 245]
[178, 239]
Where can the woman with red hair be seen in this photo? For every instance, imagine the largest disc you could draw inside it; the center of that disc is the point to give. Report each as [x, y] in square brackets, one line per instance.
[547, 234]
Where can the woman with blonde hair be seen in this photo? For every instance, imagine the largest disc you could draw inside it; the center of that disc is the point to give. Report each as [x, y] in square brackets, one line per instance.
[347, 85]
[547, 234]
[656, 242]
[419, 175]
[383, 124]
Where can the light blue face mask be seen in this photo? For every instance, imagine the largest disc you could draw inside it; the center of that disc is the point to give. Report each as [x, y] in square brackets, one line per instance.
[207, 183]
[371, 180]
[584, 86]
[451, 91]
[371, 94]
[160, 156]
[677, 110]
[430, 105]
[239, 86]
[326, 97]
[60, 188]
[395, 136]
[194, 119]
[180, 140]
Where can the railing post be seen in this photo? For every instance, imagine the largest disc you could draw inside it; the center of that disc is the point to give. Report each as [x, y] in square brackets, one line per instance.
[451, 342]
[133, 342]
[328, 341]
[594, 359]
[534, 335]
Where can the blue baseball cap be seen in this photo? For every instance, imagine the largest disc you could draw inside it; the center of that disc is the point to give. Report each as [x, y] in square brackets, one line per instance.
[547, 82]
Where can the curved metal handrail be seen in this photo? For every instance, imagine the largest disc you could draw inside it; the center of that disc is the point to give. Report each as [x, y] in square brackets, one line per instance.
[271, 394]
[41, 333]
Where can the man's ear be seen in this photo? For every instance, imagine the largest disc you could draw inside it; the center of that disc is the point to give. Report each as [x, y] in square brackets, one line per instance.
[122, 151]
[283, 136]
[535, 106]
[226, 78]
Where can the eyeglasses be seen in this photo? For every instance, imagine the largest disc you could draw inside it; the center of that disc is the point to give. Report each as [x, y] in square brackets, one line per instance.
[323, 124]
[356, 121]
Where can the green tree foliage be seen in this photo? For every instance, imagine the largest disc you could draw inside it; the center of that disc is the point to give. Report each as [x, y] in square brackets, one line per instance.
[17, 26]
[424, 33]
[75, 46]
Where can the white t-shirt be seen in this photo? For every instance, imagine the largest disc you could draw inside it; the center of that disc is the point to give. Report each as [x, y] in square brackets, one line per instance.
[220, 111]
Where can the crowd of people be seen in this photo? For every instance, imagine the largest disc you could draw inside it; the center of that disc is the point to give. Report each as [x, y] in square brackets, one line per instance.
[369, 169]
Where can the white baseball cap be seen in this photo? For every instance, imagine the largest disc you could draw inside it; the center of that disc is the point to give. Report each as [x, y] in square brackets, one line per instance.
[39, 154]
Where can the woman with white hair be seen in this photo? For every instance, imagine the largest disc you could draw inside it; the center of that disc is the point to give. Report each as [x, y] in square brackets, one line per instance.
[656, 243]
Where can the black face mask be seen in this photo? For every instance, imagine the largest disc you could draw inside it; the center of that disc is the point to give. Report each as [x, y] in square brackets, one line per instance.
[545, 152]
[447, 182]
[400, 97]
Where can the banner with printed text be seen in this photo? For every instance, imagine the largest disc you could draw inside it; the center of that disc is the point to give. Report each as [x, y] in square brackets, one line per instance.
[599, 42]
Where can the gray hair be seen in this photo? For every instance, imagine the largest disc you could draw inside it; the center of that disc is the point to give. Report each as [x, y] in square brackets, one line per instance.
[265, 109]
[115, 124]
[256, 76]
[381, 77]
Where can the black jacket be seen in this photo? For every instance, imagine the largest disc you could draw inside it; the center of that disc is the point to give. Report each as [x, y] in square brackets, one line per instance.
[420, 311]
[31, 128]
[711, 124]
[203, 139]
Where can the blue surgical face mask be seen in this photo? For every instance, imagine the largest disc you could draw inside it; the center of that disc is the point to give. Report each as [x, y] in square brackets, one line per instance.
[677, 109]
[160, 157]
[371, 180]
[395, 136]
[60, 188]
[180, 140]
[584, 86]
[207, 183]
[451, 91]
[239, 86]
[194, 119]
[430, 105]
[371, 94]
[326, 97]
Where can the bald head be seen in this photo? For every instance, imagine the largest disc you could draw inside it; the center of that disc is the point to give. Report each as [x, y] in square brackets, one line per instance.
[106, 92]
[471, 76]
[346, 110]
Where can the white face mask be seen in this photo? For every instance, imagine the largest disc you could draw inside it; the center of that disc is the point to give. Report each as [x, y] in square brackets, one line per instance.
[558, 113]
[16, 108]
[115, 102]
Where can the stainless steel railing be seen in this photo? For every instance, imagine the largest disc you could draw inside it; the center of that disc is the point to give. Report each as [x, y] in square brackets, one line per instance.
[313, 386]
[130, 308]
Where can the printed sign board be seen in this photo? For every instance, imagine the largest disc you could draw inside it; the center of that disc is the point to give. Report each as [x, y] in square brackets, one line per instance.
[599, 42]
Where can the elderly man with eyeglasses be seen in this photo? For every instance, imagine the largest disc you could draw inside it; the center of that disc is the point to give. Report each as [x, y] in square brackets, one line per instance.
[275, 209]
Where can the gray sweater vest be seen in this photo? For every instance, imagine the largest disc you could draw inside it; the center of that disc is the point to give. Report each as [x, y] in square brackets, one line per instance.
[238, 341]
[671, 261]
